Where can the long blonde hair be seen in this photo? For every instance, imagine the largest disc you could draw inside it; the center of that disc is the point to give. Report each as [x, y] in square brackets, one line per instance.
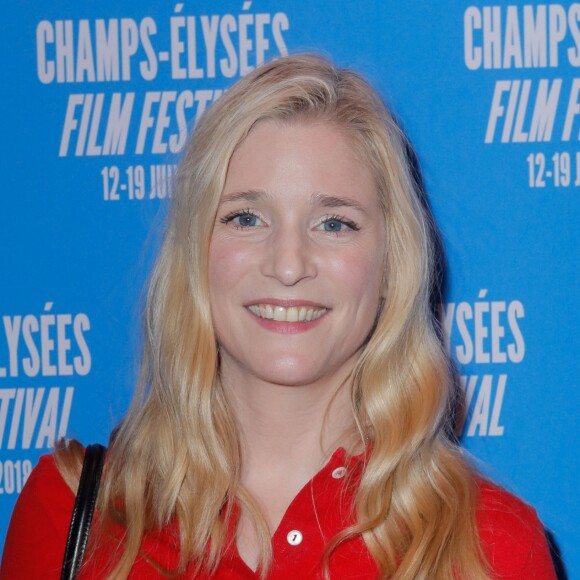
[176, 454]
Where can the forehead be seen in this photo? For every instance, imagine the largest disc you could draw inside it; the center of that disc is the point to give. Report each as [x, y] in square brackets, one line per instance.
[300, 157]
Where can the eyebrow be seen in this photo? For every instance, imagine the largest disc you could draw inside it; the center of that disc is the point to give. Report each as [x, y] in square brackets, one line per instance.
[250, 195]
[320, 199]
[336, 201]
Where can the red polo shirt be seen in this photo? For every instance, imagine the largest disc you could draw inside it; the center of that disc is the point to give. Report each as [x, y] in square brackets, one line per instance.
[511, 534]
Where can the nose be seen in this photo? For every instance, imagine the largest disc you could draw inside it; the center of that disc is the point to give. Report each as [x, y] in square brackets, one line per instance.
[289, 257]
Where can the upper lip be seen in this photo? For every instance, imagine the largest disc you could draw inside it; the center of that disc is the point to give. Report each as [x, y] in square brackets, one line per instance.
[286, 303]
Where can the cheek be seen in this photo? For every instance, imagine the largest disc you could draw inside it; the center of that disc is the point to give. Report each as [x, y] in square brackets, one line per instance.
[227, 262]
[221, 272]
[359, 274]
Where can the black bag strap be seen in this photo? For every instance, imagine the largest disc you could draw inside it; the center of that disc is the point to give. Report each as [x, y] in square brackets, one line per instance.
[82, 515]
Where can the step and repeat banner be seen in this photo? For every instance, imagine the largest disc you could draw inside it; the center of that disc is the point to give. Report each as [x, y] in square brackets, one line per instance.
[97, 100]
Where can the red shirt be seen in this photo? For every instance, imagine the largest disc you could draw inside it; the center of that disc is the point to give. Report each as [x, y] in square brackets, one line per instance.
[511, 534]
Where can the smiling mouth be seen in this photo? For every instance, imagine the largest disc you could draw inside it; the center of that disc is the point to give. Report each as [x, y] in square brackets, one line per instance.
[290, 314]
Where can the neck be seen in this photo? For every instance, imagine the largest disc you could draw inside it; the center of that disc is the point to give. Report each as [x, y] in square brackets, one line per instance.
[289, 427]
[287, 433]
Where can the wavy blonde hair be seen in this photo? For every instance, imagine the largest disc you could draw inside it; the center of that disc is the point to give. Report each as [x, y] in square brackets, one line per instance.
[177, 455]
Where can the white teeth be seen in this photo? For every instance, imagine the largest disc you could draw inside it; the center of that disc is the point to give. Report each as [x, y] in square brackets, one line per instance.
[279, 313]
[291, 314]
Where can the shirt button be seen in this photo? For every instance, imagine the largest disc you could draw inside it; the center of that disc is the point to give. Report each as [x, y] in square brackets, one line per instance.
[339, 472]
[294, 537]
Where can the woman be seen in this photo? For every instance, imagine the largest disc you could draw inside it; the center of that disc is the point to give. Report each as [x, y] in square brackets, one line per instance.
[294, 404]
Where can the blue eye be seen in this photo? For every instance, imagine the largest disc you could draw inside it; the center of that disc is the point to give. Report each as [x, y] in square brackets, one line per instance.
[242, 219]
[333, 225]
[246, 220]
[337, 225]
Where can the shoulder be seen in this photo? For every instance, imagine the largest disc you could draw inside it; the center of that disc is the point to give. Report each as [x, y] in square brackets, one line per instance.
[512, 535]
[46, 490]
[39, 525]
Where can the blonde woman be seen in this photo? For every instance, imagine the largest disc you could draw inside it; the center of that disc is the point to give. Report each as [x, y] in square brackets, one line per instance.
[293, 410]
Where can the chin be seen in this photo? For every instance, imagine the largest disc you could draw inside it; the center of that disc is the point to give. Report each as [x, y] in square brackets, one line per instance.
[294, 372]
[288, 378]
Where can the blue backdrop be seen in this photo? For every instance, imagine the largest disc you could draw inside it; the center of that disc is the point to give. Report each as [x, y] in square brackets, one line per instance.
[95, 103]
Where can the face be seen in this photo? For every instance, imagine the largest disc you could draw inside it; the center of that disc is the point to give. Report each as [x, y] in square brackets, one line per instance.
[296, 256]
